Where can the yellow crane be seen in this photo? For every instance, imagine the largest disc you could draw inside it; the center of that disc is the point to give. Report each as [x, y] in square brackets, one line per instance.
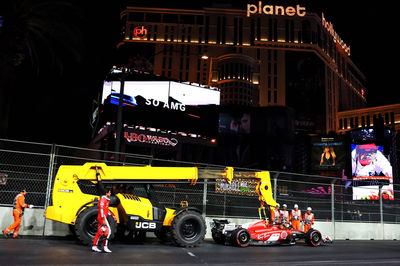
[76, 191]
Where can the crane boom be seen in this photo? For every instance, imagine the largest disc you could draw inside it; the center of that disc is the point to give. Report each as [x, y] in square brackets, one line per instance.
[149, 174]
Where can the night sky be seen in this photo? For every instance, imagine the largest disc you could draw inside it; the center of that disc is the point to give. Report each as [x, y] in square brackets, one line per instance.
[55, 103]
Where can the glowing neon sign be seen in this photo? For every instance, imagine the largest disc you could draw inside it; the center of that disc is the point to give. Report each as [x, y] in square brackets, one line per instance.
[140, 32]
[336, 38]
[150, 139]
[275, 10]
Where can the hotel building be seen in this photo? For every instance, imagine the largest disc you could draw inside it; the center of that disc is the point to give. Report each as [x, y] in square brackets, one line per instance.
[290, 58]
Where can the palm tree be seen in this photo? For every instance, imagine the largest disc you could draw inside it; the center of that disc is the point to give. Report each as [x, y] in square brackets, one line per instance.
[43, 34]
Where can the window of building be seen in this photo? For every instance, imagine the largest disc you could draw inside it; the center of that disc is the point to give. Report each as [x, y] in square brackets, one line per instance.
[153, 17]
[207, 26]
[199, 20]
[170, 18]
[136, 16]
[340, 123]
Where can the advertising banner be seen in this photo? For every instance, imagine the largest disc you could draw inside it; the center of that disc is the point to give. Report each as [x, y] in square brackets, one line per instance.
[328, 153]
[160, 94]
[371, 169]
[239, 186]
[148, 138]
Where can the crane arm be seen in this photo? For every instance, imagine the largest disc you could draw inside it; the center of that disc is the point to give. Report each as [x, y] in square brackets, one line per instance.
[149, 174]
[263, 190]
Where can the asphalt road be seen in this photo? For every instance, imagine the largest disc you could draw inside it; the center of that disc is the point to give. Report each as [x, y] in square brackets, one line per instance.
[57, 251]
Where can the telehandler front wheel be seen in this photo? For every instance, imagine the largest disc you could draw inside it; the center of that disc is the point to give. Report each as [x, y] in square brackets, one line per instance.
[188, 229]
[86, 225]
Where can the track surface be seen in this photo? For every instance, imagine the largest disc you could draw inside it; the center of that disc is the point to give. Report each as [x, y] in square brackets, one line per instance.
[36, 250]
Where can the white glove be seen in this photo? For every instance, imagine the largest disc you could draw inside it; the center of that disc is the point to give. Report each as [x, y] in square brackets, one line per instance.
[30, 206]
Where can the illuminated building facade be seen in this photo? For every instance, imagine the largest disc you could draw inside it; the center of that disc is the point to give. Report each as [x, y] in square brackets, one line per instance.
[278, 56]
[365, 117]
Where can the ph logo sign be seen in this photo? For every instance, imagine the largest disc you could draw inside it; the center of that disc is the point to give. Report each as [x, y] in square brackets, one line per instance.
[140, 32]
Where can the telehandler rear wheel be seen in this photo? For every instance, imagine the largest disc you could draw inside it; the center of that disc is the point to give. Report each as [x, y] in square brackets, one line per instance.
[188, 229]
[86, 225]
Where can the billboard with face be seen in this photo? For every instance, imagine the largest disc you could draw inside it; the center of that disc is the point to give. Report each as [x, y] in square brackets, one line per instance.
[328, 153]
[371, 169]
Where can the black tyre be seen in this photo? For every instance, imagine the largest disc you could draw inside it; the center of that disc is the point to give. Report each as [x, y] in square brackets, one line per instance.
[313, 238]
[164, 235]
[188, 229]
[71, 228]
[240, 237]
[86, 225]
[218, 237]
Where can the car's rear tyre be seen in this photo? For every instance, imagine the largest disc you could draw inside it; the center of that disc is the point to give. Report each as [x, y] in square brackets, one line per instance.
[188, 229]
[86, 225]
[313, 238]
[240, 237]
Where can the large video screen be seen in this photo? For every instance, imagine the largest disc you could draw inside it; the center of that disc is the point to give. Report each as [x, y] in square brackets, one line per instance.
[160, 94]
[371, 169]
[328, 153]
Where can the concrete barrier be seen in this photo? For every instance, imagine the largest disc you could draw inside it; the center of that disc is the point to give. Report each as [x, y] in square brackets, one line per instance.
[34, 223]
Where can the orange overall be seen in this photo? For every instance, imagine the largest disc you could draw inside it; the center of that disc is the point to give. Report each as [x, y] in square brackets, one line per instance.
[308, 221]
[275, 216]
[18, 211]
[295, 218]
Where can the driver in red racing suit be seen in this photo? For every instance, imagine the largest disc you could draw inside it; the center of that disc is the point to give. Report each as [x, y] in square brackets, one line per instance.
[103, 226]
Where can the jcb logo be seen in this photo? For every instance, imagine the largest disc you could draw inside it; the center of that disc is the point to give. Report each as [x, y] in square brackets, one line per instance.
[145, 225]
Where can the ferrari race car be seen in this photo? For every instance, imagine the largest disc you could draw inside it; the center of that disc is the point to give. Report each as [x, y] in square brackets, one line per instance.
[260, 233]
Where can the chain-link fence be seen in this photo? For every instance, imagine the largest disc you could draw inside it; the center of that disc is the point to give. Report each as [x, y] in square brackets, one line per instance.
[32, 166]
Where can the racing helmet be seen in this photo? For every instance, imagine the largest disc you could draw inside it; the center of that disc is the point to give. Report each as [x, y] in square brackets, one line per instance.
[366, 153]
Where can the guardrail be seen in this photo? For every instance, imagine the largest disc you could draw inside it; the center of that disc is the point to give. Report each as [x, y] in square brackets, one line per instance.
[32, 166]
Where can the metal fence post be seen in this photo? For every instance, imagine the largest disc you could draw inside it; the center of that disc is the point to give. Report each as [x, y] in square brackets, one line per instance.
[333, 208]
[380, 203]
[276, 185]
[381, 211]
[49, 179]
[204, 198]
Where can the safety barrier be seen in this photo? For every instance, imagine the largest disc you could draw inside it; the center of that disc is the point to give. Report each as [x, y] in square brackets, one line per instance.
[32, 166]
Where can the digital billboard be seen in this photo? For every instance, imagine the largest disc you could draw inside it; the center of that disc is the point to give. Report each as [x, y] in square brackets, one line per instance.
[371, 169]
[160, 94]
[328, 153]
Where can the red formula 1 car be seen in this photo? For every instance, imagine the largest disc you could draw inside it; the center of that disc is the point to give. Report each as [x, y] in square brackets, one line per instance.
[260, 233]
